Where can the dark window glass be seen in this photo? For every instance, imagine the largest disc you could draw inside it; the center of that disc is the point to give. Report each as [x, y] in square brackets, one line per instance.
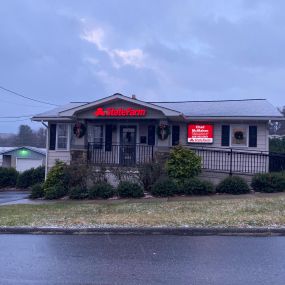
[143, 139]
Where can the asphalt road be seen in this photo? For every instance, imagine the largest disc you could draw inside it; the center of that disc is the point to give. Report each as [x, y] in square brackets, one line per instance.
[91, 259]
[11, 196]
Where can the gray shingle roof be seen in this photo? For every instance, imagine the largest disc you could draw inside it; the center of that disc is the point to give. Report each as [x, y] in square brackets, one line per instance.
[55, 112]
[224, 108]
[219, 108]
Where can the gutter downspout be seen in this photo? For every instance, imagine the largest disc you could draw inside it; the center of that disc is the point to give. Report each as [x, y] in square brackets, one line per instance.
[47, 139]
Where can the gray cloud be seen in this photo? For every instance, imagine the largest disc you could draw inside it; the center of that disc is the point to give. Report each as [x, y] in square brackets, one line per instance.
[160, 50]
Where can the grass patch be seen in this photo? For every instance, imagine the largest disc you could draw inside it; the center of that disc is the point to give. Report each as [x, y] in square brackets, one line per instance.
[225, 213]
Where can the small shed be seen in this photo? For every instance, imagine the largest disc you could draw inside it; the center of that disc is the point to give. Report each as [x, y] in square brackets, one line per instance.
[23, 158]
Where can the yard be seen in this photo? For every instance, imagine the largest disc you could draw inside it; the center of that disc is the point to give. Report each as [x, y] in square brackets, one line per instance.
[249, 211]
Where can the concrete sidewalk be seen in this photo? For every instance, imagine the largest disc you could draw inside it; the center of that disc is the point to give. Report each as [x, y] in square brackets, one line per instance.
[119, 230]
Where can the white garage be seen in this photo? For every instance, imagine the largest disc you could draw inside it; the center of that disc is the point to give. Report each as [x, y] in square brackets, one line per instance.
[23, 164]
[23, 158]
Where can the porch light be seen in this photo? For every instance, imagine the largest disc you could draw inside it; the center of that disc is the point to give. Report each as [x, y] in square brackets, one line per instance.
[24, 152]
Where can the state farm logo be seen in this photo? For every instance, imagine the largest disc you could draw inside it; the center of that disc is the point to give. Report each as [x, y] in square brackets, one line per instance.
[119, 112]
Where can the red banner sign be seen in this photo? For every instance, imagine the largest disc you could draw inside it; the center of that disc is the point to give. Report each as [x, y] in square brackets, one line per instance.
[200, 133]
[119, 112]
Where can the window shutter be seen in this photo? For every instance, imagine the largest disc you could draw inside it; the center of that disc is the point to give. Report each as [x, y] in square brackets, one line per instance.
[175, 135]
[225, 135]
[151, 135]
[52, 136]
[252, 136]
[108, 138]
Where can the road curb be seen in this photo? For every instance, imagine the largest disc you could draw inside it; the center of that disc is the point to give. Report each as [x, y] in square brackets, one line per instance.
[183, 231]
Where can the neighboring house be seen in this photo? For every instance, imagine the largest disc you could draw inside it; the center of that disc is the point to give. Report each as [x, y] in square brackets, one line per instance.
[230, 135]
[3, 149]
[22, 158]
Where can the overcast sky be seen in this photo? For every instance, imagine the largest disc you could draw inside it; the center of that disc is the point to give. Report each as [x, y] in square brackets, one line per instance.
[62, 51]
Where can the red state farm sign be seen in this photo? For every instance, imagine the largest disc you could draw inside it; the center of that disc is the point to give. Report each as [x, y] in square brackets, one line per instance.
[119, 112]
[200, 133]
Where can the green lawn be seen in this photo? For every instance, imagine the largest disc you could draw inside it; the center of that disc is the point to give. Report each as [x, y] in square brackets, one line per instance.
[243, 212]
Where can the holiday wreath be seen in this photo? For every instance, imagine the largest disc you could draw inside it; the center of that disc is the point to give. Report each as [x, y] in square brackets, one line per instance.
[163, 131]
[238, 135]
[79, 130]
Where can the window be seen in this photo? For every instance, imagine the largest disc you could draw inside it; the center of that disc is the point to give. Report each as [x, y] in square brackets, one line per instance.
[239, 135]
[95, 135]
[62, 136]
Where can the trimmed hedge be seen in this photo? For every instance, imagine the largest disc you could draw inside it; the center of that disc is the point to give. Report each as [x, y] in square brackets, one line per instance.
[233, 185]
[268, 182]
[195, 186]
[8, 177]
[102, 190]
[127, 189]
[37, 191]
[30, 177]
[78, 192]
[164, 187]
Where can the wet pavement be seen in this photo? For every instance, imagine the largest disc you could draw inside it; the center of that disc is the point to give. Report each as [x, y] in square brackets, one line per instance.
[114, 259]
[13, 197]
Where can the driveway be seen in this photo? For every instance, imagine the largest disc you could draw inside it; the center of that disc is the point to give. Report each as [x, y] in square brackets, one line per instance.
[114, 259]
[13, 197]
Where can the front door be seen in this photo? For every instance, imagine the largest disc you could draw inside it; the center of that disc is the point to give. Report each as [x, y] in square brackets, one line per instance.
[128, 136]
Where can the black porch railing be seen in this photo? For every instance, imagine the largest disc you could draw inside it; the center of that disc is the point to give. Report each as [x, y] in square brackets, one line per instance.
[276, 161]
[116, 154]
[225, 160]
[239, 161]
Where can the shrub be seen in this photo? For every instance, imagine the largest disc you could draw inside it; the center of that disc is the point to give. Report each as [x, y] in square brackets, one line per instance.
[8, 177]
[78, 192]
[101, 190]
[57, 176]
[127, 189]
[30, 177]
[149, 173]
[38, 175]
[165, 187]
[268, 182]
[233, 185]
[76, 175]
[195, 186]
[37, 191]
[183, 163]
[55, 192]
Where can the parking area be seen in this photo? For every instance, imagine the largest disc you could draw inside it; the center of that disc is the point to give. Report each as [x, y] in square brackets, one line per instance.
[13, 196]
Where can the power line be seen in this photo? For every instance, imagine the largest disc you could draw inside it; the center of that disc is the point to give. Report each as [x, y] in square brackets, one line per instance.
[21, 104]
[26, 97]
[14, 121]
[17, 117]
